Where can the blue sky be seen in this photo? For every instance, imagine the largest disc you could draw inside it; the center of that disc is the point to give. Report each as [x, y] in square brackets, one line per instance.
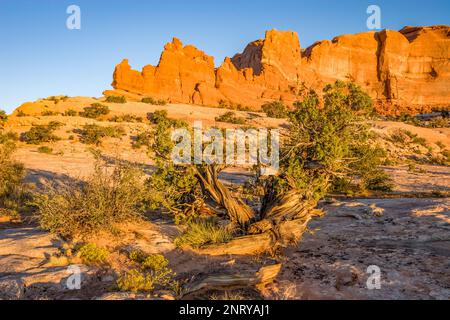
[40, 57]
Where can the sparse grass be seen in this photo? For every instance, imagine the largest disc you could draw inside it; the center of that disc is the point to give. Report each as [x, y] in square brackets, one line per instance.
[99, 204]
[91, 254]
[95, 111]
[45, 149]
[116, 99]
[230, 296]
[230, 117]
[41, 133]
[275, 109]
[202, 232]
[156, 102]
[93, 134]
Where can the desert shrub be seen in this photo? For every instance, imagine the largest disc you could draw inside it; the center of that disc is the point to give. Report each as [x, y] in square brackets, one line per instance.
[171, 186]
[440, 144]
[116, 99]
[126, 118]
[48, 113]
[142, 140]
[41, 133]
[95, 111]
[420, 141]
[91, 254]
[13, 191]
[70, 113]
[45, 149]
[56, 99]
[275, 109]
[157, 102]
[161, 117]
[20, 113]
[201, 232]
[230, 117]
[154, 272]
[379, 181]
[103, 201]
[93, 134]
[3, 118]
[136, 281]
[8, 137]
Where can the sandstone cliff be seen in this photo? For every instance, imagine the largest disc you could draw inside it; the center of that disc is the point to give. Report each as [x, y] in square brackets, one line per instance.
[404, 71]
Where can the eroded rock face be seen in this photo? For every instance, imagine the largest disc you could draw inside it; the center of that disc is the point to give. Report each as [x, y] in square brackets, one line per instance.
[404, 71]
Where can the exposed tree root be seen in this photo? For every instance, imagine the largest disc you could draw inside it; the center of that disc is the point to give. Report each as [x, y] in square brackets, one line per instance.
[258, 279]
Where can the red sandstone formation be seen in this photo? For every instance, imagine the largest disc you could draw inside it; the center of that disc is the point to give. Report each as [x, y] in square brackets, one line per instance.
[403, 71]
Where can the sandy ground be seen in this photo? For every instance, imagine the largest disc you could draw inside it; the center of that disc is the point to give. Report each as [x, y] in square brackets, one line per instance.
[408, 238]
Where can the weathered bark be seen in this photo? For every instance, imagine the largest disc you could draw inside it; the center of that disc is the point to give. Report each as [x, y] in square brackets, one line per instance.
[282, 218]
[258, 279]
[236, 209]
[290, 231]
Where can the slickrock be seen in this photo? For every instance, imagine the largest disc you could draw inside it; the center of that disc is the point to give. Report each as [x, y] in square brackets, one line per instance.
[404, 71]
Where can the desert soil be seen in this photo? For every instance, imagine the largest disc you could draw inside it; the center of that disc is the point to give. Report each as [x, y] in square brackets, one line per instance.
[406, 235]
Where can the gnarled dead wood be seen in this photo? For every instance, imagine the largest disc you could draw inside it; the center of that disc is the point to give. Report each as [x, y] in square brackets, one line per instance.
[258, 279]
[286, 233]
[237, 210]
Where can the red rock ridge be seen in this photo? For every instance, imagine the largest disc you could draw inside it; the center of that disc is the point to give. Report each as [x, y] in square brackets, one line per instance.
[404, 71]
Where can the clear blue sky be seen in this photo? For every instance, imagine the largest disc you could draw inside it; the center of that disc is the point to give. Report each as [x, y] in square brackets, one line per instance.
[40, 57]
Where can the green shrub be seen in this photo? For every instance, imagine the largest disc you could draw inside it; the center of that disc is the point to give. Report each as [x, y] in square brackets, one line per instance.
[126, 118]
[201, 232]
[13, 191]
[136, 281]
[103, 201]
[90, 254]
[154, 271]
[95, 111]
[41, 133]
[440, 144]
[275, 109]
[399, 136]
[70, 113]
[93, 134]
[160, 117]
[45, 149]
[8, 137]
[3, 118]
[155, 262]
[379, 181]
[48, 113]
[142, 140]
[116, 99]
[150, 100]
[420, 141]
[20, 113]
[230, 117]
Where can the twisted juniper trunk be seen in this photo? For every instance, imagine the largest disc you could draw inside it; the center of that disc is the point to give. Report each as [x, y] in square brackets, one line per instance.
[238, 211]
[276, 209]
